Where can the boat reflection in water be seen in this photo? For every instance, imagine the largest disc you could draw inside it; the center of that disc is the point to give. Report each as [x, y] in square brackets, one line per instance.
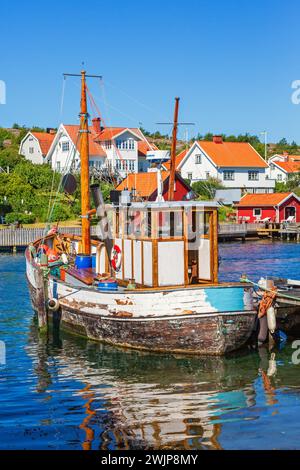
[131, 400]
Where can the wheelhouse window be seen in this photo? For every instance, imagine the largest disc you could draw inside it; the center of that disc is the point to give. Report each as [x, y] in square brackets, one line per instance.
[198, 223]
[253, 175]
[170, 224]
[229, 175]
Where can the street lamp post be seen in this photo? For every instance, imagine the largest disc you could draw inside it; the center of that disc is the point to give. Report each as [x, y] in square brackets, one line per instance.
[265, 133]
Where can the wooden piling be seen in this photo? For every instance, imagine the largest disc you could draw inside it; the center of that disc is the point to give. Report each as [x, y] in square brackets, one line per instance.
[41, 300]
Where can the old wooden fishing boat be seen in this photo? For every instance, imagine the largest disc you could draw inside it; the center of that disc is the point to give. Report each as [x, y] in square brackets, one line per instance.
[149, 280]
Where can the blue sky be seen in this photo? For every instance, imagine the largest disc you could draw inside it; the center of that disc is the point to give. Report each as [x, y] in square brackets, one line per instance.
[232, 63]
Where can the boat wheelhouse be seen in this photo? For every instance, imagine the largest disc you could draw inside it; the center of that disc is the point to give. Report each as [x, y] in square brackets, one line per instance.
[148, 280]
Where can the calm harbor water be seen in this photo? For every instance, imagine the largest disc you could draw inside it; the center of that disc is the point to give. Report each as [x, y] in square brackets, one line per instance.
[68, 393]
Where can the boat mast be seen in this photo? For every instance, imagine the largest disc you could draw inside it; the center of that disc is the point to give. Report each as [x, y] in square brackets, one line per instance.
[173, 152]
[84, 169]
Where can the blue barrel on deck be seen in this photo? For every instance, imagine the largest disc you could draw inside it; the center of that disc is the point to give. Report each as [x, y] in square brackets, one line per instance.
[93, 260]
[108, 285]
[83, 261]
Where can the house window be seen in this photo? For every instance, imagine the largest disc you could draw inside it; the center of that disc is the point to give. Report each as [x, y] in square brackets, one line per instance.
[131, 144]
[58, 166]
[131, 165]
[207, 175]
[107, 144]
[190, 176]
[253, 175]
[198, 159]
[31, 149]
[272, 166]
[279, 177]
[257, 212]
[65, 146]
[228, 175]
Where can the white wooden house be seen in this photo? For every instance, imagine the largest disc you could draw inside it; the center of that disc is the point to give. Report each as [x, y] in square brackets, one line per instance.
[282, 167]
[119, 148]
[236, 165]
[35, 146]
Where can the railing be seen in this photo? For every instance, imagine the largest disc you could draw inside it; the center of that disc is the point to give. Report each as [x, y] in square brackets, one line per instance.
[232, 228]
[13, 237]
[22, 236]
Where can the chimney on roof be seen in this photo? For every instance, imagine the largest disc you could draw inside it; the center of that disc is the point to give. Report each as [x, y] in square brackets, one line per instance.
[97, 125]
[218, 139]
[49, 130]
[285, 156]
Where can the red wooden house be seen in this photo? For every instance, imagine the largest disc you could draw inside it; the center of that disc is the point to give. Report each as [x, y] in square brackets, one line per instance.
[144, 186]
[275, 207]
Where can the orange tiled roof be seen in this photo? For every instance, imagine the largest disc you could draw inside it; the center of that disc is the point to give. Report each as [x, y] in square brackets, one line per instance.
[109, 133]
[265, 199]
[233, 154]
[178, 159]
[291, 166]
[45, 140]
[94, 147]
[143, 148]
[144, 183]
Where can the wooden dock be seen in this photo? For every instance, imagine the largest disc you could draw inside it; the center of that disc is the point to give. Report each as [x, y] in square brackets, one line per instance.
[16, 239]
[237, 231]
[290, 232]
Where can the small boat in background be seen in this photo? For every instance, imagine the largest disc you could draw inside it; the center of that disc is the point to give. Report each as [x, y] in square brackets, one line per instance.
[149, 281]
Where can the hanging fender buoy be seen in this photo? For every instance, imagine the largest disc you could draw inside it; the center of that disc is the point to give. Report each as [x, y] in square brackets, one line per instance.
[271, 319]
[53, 305]
[266, 302]
[116, 257]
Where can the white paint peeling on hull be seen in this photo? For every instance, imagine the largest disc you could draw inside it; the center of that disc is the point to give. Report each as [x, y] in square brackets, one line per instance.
[150, 304]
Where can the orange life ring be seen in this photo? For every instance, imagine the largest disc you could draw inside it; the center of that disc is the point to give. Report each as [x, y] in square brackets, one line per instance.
[116, 257]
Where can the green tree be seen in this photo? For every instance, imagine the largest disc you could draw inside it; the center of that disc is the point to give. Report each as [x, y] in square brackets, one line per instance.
[207, 189]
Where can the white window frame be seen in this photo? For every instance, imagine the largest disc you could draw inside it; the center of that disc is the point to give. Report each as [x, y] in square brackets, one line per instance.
[229, 175]
[65, 146]
[190, 176]
[253, 175]
[131, 143]
[257, 209]
[279, 177]
[198, 159]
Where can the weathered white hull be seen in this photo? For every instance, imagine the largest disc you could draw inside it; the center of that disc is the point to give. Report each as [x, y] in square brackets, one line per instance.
[202, 320]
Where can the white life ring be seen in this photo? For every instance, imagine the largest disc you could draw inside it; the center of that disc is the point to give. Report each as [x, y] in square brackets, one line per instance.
[116, 257]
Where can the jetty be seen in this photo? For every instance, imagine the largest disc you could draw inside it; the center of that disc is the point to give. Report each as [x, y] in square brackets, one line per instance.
[16, 239]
